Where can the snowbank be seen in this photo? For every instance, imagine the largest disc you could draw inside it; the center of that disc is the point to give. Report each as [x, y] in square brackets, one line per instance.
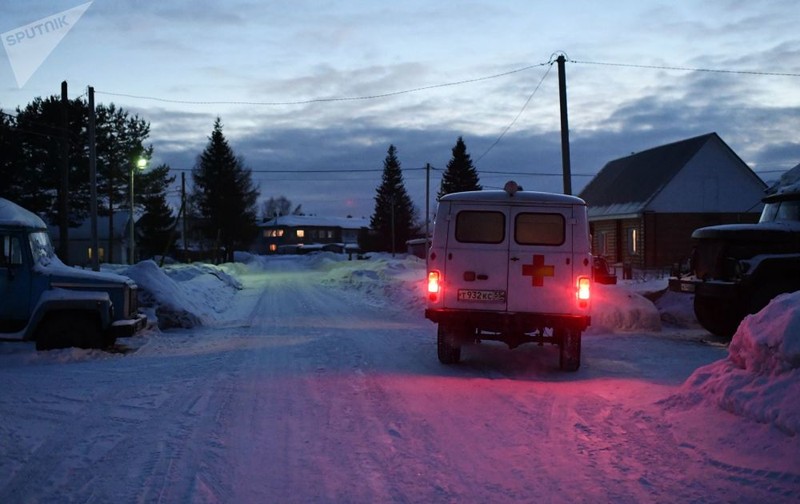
[183, 295]
[617, 309]
[760, 378]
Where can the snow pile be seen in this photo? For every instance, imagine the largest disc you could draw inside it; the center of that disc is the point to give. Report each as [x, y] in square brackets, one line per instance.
[183, 295]
[677, 309]
[760, 378]
[398, 281]
[617, 309]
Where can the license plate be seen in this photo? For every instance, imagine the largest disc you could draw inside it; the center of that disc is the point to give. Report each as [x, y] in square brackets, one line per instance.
[496, 296]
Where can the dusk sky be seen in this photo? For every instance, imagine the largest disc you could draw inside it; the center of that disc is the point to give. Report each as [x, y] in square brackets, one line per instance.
[311, 94]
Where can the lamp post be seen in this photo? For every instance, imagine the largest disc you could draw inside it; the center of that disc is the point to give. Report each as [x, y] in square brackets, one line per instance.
[139, 164]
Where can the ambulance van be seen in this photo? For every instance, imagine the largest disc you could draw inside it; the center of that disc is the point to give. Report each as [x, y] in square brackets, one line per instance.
[512, 266]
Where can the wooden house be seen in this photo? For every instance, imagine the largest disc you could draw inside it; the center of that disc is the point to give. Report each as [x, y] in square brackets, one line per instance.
[644, 207]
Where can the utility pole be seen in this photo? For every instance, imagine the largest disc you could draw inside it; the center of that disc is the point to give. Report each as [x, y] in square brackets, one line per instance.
[93, 181]
[427, 210]
[185, 218]
[562, 93]
[63, 193]
[393, 246]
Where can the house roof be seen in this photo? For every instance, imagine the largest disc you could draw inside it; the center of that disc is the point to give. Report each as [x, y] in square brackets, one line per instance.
[84, 230]
[630, 183]
[312, 220]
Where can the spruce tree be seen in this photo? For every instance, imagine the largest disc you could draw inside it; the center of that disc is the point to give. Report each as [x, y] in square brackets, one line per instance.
[394, 210]
[459, 175]
[224, 196]
[155, 227]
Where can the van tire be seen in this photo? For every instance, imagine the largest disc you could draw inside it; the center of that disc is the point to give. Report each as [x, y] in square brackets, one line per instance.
[569, 349]
[447, 347]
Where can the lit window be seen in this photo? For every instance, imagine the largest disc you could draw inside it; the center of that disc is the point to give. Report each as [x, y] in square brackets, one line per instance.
[633, 241]
[100, 254]
[301, 233]
[273, 247]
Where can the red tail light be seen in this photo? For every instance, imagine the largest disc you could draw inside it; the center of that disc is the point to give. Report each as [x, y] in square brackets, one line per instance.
[434, 286]
[433, 282]
[583, 288]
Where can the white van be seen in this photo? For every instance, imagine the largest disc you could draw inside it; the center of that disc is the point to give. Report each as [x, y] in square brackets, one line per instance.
[512, 266]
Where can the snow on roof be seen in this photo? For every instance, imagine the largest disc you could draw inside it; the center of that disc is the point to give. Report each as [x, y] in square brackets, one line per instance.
[788, 183]
[14, 215]
[313, 220]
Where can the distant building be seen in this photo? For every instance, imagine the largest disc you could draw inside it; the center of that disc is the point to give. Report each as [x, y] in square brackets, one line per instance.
[644, 207]
[80, 240]
[297, 234]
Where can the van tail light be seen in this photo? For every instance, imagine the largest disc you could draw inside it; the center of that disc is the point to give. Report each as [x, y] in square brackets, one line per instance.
[583, 290]
[434, 286]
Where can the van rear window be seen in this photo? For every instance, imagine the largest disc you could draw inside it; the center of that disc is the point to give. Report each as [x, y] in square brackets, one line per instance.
[480, 227]
[539, 229]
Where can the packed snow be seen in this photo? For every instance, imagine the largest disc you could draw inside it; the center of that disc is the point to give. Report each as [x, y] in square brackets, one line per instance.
[314, 379]
[14, 215]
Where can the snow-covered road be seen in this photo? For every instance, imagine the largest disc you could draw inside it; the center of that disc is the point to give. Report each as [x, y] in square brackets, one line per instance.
[310, 392]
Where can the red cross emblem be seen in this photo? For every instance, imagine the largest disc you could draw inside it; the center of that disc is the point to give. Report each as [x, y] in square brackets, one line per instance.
[538, 270]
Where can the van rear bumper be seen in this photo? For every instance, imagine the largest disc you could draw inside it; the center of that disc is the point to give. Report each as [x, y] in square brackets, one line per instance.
[508, 321]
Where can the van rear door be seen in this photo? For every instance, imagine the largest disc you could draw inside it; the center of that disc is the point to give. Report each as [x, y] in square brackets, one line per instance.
[476, 266]
[540, 262]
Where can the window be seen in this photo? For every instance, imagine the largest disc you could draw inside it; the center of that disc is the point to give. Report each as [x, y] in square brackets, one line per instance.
[604, 243]
[273, 233]
[539, 229]
[101, 254]
[300, 233]
[633, 241]
[480, 227]
[12, 253]
[273, 247]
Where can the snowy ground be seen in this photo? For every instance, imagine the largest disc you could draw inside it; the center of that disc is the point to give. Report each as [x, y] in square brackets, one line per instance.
[315, 379]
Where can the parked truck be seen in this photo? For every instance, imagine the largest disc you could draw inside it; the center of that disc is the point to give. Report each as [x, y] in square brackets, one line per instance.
[55, 305]
[736, 269]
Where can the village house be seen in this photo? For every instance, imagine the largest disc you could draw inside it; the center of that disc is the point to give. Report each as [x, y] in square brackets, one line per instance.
[297, 234]
[80, 241]
[644, 207]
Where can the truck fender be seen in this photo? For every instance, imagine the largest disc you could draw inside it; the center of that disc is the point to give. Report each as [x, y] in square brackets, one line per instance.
[56, 300]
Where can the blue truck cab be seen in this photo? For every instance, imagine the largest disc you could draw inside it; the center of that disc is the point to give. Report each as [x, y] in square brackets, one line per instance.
[57, 306]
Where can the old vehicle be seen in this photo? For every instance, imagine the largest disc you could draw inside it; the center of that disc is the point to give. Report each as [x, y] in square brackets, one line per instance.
[737, 269]
[512, 266]
[57, 306]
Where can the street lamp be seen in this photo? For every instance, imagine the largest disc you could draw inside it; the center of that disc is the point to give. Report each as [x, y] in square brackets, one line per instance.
[138, 164]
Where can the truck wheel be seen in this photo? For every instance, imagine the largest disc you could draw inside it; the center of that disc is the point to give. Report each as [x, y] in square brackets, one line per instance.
[447, 347]
[765, 291]
[717, 316]
[569, 346]
[64, 330]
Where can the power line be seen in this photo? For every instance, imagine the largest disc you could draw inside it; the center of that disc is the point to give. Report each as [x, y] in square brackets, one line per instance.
[684, 69]
[524, 106]
[534, 174]
[339, 170]
[329, 99]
